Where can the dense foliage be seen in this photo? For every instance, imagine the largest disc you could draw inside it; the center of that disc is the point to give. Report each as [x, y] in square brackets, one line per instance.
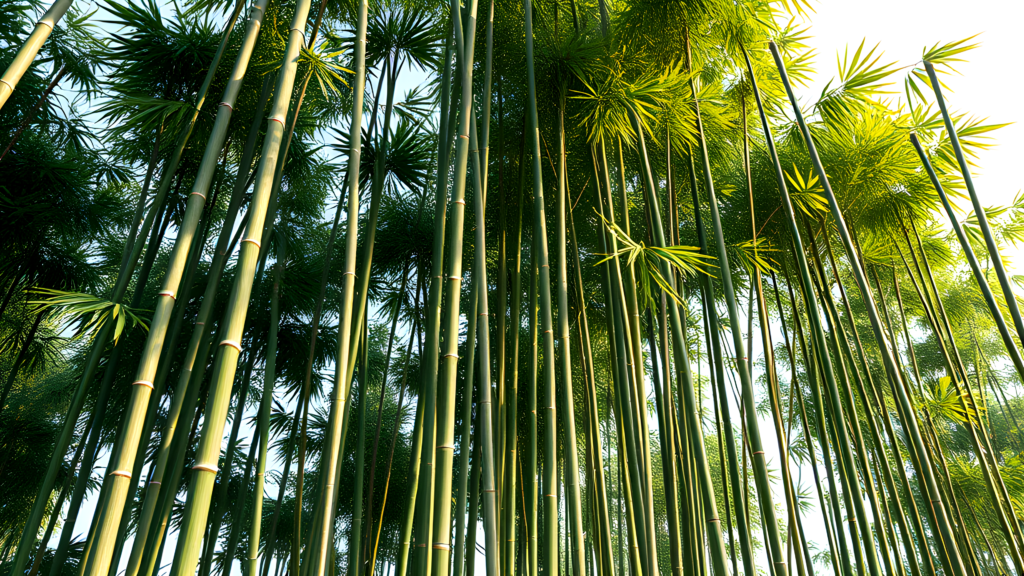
[560, 287]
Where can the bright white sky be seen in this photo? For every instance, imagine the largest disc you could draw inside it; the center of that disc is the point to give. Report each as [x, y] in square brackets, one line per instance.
[989, 85]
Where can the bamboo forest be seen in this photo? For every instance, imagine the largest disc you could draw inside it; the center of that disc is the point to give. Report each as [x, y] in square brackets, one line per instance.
[501, 288]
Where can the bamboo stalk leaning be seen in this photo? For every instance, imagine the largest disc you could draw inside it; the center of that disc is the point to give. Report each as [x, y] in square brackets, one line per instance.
[30, 49]
[924, 460]
[120, 469]
[207, 456]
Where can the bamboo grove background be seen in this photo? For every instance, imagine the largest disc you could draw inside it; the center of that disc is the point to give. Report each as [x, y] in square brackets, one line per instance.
[598, 296]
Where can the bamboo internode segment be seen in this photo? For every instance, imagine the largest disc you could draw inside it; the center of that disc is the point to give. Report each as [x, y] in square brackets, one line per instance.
[28, 51]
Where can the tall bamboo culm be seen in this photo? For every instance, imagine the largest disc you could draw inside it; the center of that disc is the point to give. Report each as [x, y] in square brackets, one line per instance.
[321, 530]
[30, 49]
[925, 469]
[120, 469]
[208, 454]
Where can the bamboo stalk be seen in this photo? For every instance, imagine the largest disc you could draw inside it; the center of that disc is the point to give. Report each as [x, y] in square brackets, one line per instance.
[942, 520]
[28, 51]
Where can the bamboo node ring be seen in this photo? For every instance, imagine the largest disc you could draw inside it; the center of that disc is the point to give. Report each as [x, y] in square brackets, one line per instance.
[200, 194]
[145, 383]
[121, 473]
[255, 243]
[157, 482]
[440, 546]
[456, 356]
[758, 452]
[9, 85]
[463, 202]
[228, 105]
[445, 447]
[205, 468]
[276, 119]
[232, 343]
[168, 293]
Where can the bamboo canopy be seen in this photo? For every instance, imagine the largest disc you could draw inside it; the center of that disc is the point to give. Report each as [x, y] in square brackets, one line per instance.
[423, 288]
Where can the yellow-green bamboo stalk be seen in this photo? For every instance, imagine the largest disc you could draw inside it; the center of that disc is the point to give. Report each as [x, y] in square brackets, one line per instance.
[440, 549]
[30, 49]
[119, 474]
[321, 529]
[204, 471]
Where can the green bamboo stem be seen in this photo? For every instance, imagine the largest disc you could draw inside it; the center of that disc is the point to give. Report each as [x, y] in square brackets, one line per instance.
[749, 412]
[398, 413]
[892, 438]
[207, 455]
[623, 390]
[593, 418]
[574, 500]
[436, 527]
[872, 424]
[847, 405]
[532, 487]
[219, 502]
[160, 386]
[769, 353]
[679, 347]
[120, 470]
[982, 447]
[550, 471]
[263, 423]
[511, 440]
[342, 385]
[129, 259]
[355, 547]
[28, 51]
[795, 391]
[979, 210]
[717, 359]
[487, 464]
[924, 469]
[402, 565]
[423, 454]
[178, 401]
[461, 552]
[811, 361]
